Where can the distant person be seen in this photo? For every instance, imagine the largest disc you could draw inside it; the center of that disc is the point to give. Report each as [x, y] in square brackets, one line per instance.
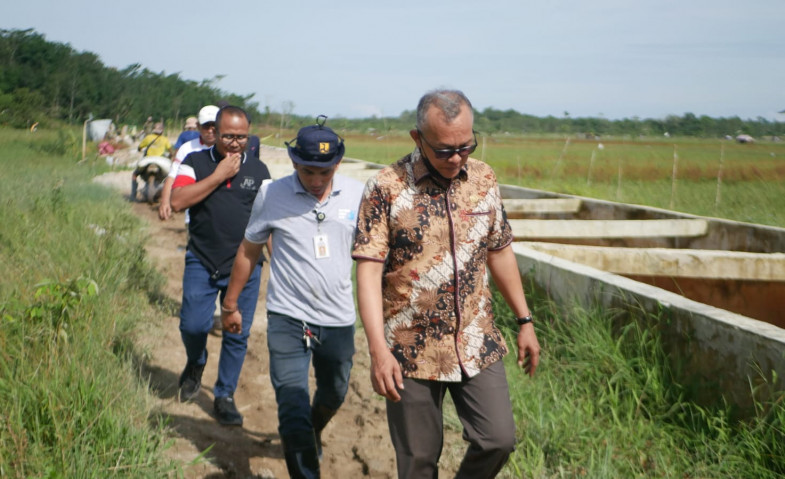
[206, 139]
[254, 146]
[190, 132]
[218, 185]
[156, 144]
[309, 218]
[105, 147]
[427, 228]
[147, 128]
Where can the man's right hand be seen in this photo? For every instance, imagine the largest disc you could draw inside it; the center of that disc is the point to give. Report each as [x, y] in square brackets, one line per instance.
[229, 166]
[386, 376]
[164, 210]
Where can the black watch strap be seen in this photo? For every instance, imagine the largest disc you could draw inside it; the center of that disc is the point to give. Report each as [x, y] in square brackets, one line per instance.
[524, 320]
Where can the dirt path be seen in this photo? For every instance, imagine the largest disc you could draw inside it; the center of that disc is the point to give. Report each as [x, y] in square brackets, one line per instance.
[356, 441]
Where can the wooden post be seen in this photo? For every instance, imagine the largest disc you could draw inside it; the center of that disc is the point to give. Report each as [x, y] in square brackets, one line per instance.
[558, 166]
[84, 139]
[673, 177]
[591, 165]
[719, 179]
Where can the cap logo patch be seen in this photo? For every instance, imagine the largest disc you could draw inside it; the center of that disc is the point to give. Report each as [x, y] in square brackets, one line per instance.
[324, 147]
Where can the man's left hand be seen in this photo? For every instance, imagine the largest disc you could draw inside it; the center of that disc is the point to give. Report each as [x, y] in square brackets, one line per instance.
[232, 322]
[528, 349]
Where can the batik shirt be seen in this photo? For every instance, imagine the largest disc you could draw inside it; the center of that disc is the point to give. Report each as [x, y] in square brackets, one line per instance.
[433, 236]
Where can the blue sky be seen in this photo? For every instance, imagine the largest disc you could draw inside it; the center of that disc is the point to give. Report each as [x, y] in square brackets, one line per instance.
[609, 58]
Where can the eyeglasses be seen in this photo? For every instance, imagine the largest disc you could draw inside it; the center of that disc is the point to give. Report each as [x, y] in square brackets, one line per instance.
[207, 126]
[227, 138]
[447, 153]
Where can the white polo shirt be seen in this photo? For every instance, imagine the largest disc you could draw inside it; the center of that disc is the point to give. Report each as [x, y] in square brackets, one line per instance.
[187, 148]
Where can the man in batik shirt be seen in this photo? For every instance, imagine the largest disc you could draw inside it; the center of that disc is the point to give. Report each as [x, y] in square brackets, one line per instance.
[427, 228]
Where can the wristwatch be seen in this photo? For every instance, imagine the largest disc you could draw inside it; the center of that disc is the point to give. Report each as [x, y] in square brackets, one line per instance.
[524, 320]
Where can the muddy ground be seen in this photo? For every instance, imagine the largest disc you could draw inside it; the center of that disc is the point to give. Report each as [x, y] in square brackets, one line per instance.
[356, 441]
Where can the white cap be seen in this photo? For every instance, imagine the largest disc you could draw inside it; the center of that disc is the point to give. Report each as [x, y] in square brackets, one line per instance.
[207, 114]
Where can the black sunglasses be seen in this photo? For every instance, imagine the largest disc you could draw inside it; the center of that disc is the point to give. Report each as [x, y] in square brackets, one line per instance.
[447, 153]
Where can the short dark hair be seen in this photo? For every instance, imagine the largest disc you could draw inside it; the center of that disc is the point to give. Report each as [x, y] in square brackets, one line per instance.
[448, 102]
[231, 111]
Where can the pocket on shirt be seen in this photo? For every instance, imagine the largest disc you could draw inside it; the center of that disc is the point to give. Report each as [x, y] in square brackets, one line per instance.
[478, 213]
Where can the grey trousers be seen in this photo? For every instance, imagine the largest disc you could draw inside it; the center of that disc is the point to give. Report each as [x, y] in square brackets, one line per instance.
[484, 409]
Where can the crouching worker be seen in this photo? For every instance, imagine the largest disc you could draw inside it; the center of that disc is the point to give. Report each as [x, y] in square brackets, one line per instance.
[310, 221]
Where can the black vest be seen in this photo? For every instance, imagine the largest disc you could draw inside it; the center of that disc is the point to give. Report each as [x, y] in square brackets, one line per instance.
[218, 222]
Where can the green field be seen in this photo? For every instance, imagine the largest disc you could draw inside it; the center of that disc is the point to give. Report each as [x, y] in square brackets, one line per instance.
[720, 178]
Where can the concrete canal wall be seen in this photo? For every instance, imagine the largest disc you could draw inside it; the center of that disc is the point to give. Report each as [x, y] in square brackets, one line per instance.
[722, 353]
[720, 234]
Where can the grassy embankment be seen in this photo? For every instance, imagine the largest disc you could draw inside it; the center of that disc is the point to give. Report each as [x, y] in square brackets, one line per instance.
[75, 289]
[605, 404]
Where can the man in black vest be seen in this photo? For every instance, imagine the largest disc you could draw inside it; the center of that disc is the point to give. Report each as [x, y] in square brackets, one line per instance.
[218, 185]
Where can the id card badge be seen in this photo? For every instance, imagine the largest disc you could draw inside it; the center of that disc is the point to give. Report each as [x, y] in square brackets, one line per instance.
[321, 247]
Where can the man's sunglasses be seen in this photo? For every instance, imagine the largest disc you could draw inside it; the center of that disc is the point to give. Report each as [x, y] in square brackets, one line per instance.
[447, 153]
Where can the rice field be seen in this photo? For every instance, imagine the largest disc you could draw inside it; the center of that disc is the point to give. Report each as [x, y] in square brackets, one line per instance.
[721, 178]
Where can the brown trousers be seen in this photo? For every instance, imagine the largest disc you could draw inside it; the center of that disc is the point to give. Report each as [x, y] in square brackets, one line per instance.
[484, 409]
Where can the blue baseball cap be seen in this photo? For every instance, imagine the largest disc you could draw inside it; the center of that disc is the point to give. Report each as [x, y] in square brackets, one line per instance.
[316, 145]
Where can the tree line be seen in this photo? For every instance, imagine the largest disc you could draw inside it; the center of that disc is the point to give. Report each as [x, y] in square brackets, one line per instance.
[492, 121]
[43, 81]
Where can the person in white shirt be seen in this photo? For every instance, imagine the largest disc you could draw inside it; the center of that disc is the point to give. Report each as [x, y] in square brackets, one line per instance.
[206, 140]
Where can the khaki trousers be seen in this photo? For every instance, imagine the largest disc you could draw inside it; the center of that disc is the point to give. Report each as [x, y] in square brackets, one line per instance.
[484, 409]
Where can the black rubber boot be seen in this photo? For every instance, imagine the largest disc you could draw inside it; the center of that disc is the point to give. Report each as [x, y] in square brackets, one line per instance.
[132, 197]
[302, 460]
[320, 416]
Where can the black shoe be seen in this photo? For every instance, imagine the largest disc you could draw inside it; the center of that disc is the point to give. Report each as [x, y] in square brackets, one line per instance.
[190, 381]
[226, 412]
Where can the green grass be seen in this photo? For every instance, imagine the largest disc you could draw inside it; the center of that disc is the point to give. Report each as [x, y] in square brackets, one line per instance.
[604, 404]
[76, 289]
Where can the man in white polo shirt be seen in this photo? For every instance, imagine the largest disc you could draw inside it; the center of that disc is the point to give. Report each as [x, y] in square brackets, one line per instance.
[310, 219]
[206, 140]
